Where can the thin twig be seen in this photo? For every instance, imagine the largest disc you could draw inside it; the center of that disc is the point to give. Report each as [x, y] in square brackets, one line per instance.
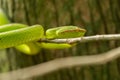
[50, 66]
[84, 39]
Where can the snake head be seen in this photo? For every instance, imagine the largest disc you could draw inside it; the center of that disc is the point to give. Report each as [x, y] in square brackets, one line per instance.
[65, 32]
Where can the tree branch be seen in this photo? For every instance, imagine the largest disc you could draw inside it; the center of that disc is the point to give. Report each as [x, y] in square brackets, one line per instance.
[84, 39]
[50, 66]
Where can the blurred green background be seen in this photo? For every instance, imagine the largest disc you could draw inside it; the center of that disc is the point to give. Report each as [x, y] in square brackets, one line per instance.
[96, 16]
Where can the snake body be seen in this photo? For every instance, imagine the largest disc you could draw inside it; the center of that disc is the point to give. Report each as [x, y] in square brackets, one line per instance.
[19, 35]
[24, 38]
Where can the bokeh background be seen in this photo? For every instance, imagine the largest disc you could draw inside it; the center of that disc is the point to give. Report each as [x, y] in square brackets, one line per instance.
[96, 16]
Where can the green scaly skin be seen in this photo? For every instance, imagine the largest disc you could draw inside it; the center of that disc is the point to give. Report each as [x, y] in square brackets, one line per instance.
[65, 32]
[29, 48]
[62, 32]
[20, 36]
[25, 38]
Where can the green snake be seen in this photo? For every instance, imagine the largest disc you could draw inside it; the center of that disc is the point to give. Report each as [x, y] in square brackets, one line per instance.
[25, 38]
